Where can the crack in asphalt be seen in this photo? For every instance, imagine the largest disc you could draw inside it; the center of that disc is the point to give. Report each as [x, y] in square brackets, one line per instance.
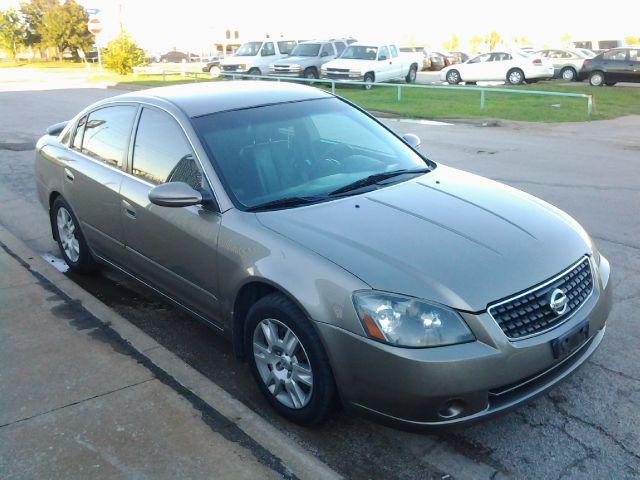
[567, 185]
[616, 242]
[615, 372]
[475, 451]
[557, 405]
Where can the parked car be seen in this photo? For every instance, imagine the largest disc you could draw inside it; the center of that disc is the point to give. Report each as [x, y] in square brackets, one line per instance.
[426, 58]
[449, 59]
[599, 45]
[513, 67]
[459, 57]
[370, 63]
[176, 56]
[567, 63]
[616, 65]
[307, 58]
[254, 58]
[410, 291]
[438, 61]
[212, 64]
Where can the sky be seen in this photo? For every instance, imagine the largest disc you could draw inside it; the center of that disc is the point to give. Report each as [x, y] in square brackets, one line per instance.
[194, 24]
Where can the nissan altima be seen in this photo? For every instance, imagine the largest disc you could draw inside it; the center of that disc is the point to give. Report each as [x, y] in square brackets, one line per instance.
[344, 266]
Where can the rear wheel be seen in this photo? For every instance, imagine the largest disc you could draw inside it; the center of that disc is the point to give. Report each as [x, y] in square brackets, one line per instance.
[596, 79]
[568, 74]
[453, 77]
[288, 361]
[70, 239]
[515, 76]
[412, 75]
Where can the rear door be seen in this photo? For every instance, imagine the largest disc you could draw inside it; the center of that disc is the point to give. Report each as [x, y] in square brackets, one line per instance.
[615, 65]
[93, 175]
[633, 60]
[173, 249]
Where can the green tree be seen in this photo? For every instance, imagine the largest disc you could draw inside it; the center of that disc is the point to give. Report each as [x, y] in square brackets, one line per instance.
[33, 13]
[123, 54]
[452, 44]
[11, 32]
[65, 26]
[474, 43]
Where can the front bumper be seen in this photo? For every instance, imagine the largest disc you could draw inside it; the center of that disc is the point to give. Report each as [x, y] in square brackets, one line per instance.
[458, 384]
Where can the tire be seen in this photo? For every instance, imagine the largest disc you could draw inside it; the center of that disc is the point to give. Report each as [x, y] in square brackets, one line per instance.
[596, 79]
[254, 71]
[274, 363]
[569, 74]
[412, 75]
[311, 73]
[72, 244]
[368, 81]
[453, 77]
[515, 76]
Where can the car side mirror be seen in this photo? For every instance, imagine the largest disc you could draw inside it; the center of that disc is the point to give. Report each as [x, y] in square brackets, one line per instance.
[175, 194]
[324, 54]
[412, 140]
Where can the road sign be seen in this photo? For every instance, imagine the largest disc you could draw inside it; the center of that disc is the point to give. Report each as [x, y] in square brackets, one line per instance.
[95, 26]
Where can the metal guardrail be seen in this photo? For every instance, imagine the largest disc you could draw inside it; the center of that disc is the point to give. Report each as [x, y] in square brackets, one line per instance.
[400, 86]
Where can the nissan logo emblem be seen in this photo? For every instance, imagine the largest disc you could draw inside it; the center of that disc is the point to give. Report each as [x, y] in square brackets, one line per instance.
[559, 302]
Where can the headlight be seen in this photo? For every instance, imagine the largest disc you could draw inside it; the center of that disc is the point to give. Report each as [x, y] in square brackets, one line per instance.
[408, 322]
[294, 66]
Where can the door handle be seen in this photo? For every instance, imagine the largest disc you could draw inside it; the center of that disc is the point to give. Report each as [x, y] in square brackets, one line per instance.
[128, 210]
[68, 174]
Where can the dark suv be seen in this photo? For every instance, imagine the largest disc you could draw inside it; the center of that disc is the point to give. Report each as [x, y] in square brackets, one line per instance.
[615, 65]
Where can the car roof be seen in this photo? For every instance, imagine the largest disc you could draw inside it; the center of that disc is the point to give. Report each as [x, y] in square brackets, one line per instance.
[204, 98]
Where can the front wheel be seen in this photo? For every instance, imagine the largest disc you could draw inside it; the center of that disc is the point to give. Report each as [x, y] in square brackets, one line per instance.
[288, 361]
[568, 74]
[311, 74]
[368, 81]
[412, 75]
[515, 77]
[255, 71]
[72, 244]
[453, 77]
[596, 79]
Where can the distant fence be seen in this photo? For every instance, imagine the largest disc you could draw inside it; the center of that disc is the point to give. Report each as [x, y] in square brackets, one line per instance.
[398, 86]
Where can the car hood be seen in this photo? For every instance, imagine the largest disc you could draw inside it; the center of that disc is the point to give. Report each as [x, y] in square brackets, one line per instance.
[290, 60]
[447, 236]
[346, 63]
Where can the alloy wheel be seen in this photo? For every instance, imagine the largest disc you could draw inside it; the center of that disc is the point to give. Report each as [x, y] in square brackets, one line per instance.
[67, 234]
[283, 363]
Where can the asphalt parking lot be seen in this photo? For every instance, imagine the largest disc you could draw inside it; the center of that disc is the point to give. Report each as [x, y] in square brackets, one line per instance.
[588, 427]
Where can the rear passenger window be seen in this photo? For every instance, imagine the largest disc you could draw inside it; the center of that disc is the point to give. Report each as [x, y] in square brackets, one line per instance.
[161, 152]
[77, 139]
[106, 134]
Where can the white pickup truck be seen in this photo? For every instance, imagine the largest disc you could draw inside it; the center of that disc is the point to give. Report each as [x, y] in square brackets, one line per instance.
[372, 63]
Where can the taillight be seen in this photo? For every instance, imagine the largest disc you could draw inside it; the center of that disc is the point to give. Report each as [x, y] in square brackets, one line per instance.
[537, 61]
[585, 63]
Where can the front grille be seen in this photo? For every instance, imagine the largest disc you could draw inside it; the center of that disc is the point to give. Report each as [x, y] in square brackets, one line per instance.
[230, 68]
[530, 313]
[338, 70]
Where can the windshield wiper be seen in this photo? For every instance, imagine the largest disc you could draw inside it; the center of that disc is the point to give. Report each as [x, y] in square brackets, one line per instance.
[375, 178]
[285, 202]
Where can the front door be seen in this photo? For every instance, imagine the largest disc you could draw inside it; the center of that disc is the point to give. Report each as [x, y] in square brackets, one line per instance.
[173, 249]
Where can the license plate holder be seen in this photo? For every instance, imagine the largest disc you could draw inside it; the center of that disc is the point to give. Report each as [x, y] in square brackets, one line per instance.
[568, 343]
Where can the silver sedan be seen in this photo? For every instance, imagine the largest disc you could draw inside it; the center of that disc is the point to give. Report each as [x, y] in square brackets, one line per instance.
[343, 265]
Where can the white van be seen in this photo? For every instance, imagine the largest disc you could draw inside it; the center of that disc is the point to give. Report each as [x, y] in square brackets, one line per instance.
[254, 58]
[598, 46]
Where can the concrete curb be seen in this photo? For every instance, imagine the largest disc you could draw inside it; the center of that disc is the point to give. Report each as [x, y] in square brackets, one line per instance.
[301, 463]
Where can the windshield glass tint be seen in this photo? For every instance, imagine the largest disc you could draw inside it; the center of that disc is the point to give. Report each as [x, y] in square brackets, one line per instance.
[250, 49]
[301, 149]
[360, 52]
[306, 50]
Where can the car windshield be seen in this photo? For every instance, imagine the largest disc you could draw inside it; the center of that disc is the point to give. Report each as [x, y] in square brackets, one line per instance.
[360, 52]
[306, 50]
[250, 49]
[303, 150]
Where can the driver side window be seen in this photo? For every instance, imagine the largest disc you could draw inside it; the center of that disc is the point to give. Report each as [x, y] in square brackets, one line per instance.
[268, 49]
[383, 54]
